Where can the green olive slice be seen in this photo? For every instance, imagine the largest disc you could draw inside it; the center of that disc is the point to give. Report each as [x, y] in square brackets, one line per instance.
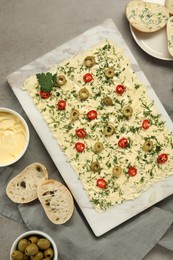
[95, 166]
[109, 130]
[74, 114]
[107, 101]
[147, 146]
[109, 73]
[117, 170]
[61, 80]
[98, 147]
[127, 111]
[89, 61]
[83, 93]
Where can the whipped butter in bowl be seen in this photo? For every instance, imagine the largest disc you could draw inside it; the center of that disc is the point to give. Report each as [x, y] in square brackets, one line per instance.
[14, 136]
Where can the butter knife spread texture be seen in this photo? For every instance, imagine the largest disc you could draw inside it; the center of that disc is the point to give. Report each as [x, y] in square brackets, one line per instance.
[124, 187]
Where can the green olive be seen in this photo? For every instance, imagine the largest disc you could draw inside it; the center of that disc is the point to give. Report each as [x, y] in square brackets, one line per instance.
[33, 239]
[83, 93]
[127, 111]
[89, 61]
[107, 101]
[23, 243]
[31, 250]
[109, 130]
[109, 72]
[74, 114]
[38, 256]
[117, 170]
[61, 80]
[147, 146]
[17, 255]
[98, 147]
[43, 243]
[95, 166]
[48, 253]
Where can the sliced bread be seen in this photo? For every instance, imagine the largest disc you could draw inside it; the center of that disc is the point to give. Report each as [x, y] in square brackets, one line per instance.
[169, 5]
[23, 187]
[146, 16]
[170, 35]
[56, 200]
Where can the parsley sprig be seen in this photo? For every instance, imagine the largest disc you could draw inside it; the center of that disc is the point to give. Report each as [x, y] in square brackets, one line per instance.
[46, 81]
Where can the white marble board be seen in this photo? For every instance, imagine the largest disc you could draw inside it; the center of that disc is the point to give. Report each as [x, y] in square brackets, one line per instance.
[100, 223]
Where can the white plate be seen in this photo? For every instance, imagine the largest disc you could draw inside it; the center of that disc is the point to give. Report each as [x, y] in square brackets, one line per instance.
[154, 43]
[100, 223]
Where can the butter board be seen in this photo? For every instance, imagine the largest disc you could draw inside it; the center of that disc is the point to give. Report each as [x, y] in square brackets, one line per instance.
[100, 223]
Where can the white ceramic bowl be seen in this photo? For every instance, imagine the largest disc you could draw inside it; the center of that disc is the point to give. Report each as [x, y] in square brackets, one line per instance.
[37, 233]
[6, 113]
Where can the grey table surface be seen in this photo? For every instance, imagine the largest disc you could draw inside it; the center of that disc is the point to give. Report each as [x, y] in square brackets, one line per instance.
[28, 30]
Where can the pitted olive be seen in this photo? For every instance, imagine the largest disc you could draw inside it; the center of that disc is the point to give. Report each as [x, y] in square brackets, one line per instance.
[89, 61]
[74, 114]
[107, 101]
[109, 130]
[23, 243]
[83, 93]
[48, 253]
[98, 147]
[109, 72]
[43, 243]
[38, 256]
[17, 255]
[147, 146]
[31, 249]
[117, 170]
[127, 111]
[33, 239]
[95, 166]
[61, 80]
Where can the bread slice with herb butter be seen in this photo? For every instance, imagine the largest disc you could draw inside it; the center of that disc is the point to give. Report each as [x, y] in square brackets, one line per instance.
[146, 16]
[56, 200]
[169, 5]
[170, 35]
[23, 187]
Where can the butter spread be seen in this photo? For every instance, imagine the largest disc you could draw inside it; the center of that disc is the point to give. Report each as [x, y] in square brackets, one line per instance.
[149, 171]
[12, 137]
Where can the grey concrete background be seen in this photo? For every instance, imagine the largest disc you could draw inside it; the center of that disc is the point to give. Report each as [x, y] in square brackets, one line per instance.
[29, 29]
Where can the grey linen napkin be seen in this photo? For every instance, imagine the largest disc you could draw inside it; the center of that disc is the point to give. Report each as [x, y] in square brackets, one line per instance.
[75, 240]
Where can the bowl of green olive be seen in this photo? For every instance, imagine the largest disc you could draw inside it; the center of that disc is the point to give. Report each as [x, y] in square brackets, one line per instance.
[35, 245]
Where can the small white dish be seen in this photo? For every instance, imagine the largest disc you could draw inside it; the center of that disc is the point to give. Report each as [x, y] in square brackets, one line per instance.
[40, 234]
[12, 144]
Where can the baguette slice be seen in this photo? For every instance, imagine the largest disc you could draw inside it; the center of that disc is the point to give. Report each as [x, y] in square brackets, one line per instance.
[146, 16]
[169, 31]
[23, 187]
[56, 200]
[169, 5]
